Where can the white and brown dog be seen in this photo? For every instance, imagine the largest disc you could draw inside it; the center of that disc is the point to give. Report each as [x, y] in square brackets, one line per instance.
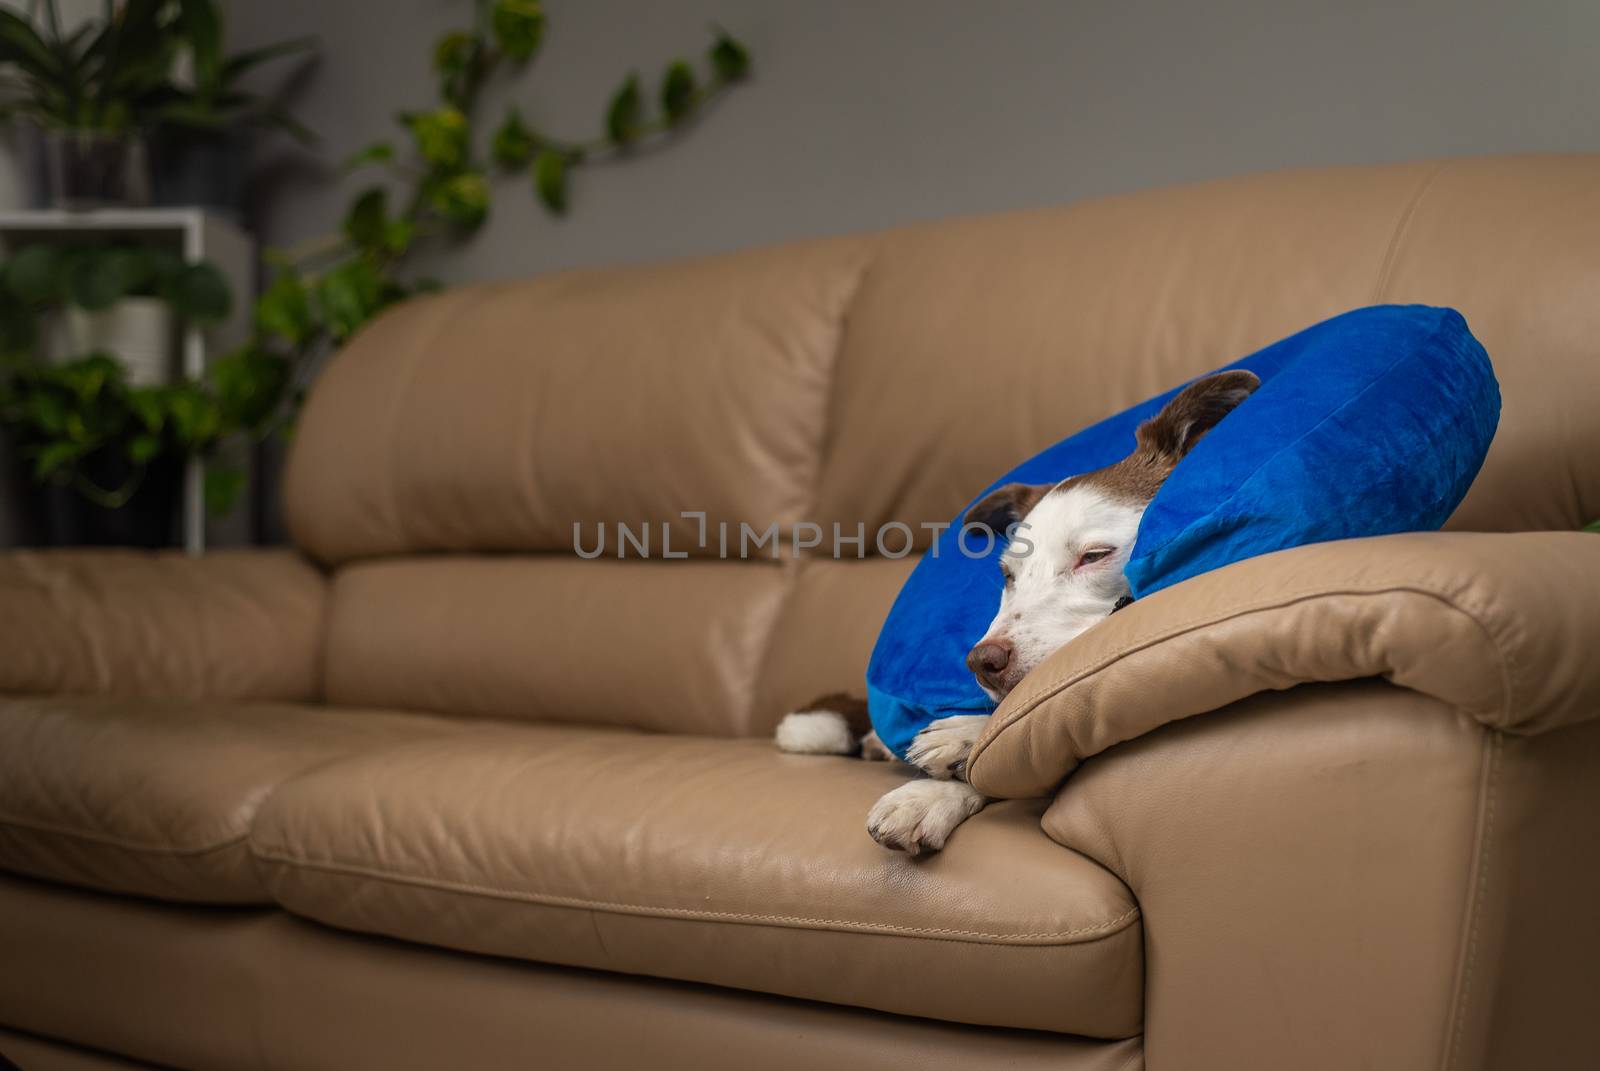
[1063, 574]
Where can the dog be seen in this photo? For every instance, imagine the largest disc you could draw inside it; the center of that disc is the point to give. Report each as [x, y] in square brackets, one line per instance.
[1067, 545]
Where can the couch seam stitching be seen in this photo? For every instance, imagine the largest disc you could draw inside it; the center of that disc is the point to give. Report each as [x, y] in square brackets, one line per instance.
[28, 826]
[869, 261]
[1480, 894]
[1195, 624]
[1104, 929]
[1402, 225]
[794, 565]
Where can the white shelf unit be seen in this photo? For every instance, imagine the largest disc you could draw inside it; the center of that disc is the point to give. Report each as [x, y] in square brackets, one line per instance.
[198, 235]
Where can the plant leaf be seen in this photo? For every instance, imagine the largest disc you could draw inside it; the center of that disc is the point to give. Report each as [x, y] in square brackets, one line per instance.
[379, 152]
[441, 136]
[195, 419]
[223, 485]
[729, 58]
[201, 25]
[623, 117]
[518, 27]
[349, 295]
[678, 91]
[143, 448]
[239, 63]
[201, 294]
[274, 115]
[34, 274]
[464, 200]
[21, 44]
[53, 458]
[19, 331]
[456, 60]
[147, 404]
[284, 310]
[452, 53]
[135, 268]
[550, 180]
[366, 222]
[164, 266]
[1592, 526]
[398, 235]
[46, 411]
[93, 281]
[513, 143]
[250, 383]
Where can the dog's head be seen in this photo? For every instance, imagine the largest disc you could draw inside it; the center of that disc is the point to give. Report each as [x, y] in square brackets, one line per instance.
[1069, 542]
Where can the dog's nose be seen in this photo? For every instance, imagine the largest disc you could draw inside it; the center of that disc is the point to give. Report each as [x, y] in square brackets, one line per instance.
[988, 662]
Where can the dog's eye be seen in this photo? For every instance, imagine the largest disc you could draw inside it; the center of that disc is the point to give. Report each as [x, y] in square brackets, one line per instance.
[1089, 557]
[1005, 571]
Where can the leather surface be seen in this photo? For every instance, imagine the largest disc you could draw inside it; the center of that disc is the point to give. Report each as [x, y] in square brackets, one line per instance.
[231, 625]
[823, 637]
[1501, 626]
[260, 991]
[731, 385]
[32, 1053]
[1353, 875]
[155, 797]
[866, 380]
[1332, 875]
[718, 861]
[713, 648]
[975, 343]
[1304, 863]
[497, 417]
[1528, 973]
[676, 646]
[1510, 242]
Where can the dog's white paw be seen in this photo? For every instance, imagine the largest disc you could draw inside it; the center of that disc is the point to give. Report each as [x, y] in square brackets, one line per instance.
[815, 732]
[942, 748]
[919, 816]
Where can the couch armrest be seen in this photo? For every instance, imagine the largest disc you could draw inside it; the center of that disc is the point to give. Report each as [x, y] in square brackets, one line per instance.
[1353, 875]
[230, 625]
[1503, 627]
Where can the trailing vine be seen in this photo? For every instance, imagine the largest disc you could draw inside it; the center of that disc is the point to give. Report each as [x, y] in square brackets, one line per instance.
[324, 290]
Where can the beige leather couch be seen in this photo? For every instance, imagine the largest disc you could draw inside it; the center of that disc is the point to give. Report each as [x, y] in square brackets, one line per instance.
[430, 790]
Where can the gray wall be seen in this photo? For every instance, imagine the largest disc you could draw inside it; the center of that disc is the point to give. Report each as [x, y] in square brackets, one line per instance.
[878, 112]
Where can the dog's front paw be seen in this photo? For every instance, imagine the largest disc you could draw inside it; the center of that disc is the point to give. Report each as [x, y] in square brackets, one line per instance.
[919, 816]
[942, 748]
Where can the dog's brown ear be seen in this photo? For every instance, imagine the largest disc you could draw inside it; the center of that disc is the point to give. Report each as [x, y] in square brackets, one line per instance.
[1173, 432]
[1005, 506]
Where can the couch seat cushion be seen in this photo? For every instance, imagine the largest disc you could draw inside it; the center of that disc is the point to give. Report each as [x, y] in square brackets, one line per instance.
[155, 797]
[710, 860]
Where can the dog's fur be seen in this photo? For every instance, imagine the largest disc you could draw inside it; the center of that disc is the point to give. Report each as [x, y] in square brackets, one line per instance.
[1063, 566]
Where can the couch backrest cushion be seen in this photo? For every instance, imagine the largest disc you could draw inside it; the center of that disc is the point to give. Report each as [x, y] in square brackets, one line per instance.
[860, 381]
[720, 649]
[495, 417]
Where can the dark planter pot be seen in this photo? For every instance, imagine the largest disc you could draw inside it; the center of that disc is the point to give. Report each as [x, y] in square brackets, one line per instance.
[87, 169]
[151, 518]
[191, 167]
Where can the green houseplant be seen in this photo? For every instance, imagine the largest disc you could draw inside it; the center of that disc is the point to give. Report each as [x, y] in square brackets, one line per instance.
[104, 438]
[84, 90]
[323, 290]
[201, 128]
[86, 428]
